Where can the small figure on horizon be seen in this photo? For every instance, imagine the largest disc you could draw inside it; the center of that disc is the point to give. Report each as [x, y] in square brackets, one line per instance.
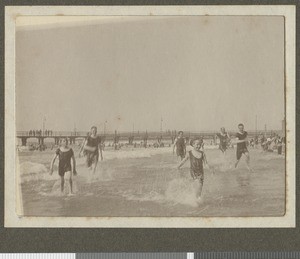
[252, 144]
[279, 144]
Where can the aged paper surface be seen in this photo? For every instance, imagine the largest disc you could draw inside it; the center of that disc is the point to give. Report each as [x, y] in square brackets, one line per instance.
[140, 75]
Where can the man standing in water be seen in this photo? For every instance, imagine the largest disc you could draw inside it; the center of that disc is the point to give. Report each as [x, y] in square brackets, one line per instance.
[91, 149]
[180, 145]
[241, 141]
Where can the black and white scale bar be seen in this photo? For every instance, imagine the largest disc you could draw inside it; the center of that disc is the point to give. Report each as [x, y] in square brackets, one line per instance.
[247, 255]
[133, 256]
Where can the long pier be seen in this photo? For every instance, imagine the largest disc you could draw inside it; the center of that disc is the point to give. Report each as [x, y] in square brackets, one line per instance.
[131, 137]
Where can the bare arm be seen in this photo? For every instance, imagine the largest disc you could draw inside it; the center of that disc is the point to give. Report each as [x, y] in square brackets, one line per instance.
[73, 165]
[206, 163]
[204, 159]
[183, 161]
[239, 141]
[202, 146]
[174, 145]
[100, 150]
[52, 163]
[82, 146]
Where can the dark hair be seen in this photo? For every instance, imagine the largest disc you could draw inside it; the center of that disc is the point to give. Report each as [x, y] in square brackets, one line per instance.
[241, 124]
[180, 132]
[194, 140]
[66, 139]
[94, 127]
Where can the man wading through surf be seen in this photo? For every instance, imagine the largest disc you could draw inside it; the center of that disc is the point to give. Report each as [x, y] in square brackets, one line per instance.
[91, 149]
[241, 149]
[180, 146]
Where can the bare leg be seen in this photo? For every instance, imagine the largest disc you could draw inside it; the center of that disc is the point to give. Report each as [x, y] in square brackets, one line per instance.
[71, 183]
[62, 183]
[95, 166]
[236, 163]
[248, 161]
[90, 174]
[200, 189]
[89, 164]
[199, 192]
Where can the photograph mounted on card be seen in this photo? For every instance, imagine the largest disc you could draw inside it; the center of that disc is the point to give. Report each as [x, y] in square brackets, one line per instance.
[150, 116]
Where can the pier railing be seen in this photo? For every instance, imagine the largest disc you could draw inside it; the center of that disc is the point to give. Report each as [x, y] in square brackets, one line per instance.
[164, 134]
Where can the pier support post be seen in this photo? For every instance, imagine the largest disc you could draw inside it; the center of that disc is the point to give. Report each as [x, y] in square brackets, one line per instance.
[130, 140]
[146, 140]
[24, 141]
[116, 140]
[56, 141]
[41, 140]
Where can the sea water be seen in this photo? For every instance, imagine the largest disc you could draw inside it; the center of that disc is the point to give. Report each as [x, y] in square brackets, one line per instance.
[146, 182]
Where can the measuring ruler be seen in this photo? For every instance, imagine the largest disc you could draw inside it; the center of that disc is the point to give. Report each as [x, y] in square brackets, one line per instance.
[199, 255]
[100, 256]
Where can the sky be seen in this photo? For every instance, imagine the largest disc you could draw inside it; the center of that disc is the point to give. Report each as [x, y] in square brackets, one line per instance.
[193, 72]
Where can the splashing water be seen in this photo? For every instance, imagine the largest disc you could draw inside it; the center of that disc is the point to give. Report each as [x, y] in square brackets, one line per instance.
[144, 182]
[183, 191]
[221, 163]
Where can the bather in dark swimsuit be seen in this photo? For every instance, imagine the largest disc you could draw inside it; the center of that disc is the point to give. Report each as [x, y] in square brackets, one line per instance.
[92, 156]
[180, 147]
[197, 171]
[64, 164]
[241, 147]
[223, 141]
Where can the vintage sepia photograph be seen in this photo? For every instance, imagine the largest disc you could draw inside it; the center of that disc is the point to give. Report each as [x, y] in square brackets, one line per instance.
[150, 116]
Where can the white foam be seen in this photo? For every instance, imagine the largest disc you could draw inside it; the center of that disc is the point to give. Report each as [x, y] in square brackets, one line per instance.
[268, 156]
[182, 191]
[30, 171]
[135, 153]
[56, 189]
[178, 191]
[32, 168]
[150, 196]
[221, 163]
